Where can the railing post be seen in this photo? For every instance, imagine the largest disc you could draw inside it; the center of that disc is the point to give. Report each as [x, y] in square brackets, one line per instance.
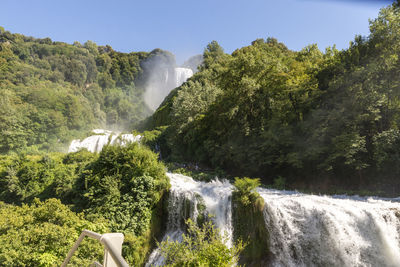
[115, 240]
[72, 250]
[112, 248]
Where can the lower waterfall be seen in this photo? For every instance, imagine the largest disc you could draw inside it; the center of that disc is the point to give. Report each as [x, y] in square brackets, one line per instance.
[304, 230]
[310, 230]
[189, 199]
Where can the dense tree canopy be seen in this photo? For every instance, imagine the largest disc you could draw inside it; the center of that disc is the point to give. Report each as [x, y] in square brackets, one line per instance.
[41, 234]
[200, 247]
[118, 190]
[304, 116]
[52, 92]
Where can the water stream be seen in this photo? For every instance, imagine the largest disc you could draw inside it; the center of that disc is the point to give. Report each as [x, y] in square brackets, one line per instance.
[100, 138]
[304, 230]
[161, 83]
[187, 199]
[310, 230]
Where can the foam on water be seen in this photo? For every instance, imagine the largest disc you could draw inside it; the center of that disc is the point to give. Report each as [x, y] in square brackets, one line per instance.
[310, 230]
[304, 230]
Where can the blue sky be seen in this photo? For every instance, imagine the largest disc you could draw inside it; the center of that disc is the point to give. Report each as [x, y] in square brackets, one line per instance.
[186, 27]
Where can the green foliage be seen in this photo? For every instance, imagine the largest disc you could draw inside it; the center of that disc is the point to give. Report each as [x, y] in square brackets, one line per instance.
[212, 54]
[155, 232]
[137, 248]
[52, 92]
[311, 117]
[386, 152]
[42, 233]
[279, 183]
[246, 189]
[192, 101]
[123, 184]
[23, 178]
[154, 138]
[201, 246]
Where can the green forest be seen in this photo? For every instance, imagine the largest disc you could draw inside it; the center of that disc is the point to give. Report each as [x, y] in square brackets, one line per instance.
[300, 119]
[311, 120]
[53, 92]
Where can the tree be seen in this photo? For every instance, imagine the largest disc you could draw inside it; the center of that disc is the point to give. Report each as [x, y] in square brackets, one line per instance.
[212, 54]
[122, 185]
[245, 188]
[92, 47]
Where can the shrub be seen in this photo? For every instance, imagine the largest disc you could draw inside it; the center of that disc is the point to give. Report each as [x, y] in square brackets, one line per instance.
[42, 233]
[201, 246]
[245, 188]
[123, 184]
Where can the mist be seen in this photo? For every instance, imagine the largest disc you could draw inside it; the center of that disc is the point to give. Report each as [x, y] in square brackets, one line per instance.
[163, 75]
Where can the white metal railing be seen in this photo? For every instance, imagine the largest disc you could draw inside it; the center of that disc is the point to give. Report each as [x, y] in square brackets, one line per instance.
[112, 248]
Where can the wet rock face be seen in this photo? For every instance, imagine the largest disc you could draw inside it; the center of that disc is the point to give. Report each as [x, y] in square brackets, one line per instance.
[249, 226]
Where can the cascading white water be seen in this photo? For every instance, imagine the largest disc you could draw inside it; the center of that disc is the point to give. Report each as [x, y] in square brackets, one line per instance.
[304, 230]
[309, 230]
[185, 197]
[215, 194]
[181, 75]
[96, 142]
[161, 82]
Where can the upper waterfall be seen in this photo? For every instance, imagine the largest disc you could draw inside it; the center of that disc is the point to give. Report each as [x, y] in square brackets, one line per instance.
[162, 82]
[181, 75]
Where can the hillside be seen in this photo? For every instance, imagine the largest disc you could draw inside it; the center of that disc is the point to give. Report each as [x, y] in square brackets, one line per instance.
[52, 92]
[304, 119]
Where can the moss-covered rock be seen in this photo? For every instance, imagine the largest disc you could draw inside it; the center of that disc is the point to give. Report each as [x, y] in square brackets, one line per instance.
[202, 214]
[249, 226]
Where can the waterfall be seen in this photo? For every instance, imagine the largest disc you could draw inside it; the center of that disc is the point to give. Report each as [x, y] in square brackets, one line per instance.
[304, 230]
[187, 197]
[181, 75]
[161, 82]
[96, 142]
[309, 230]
